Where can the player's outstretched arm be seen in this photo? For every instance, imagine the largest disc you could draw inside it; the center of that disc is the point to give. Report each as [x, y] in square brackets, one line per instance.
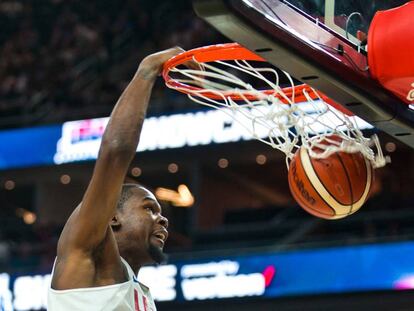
[88, 225]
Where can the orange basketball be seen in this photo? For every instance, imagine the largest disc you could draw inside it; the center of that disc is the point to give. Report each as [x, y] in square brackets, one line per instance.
[330, 188]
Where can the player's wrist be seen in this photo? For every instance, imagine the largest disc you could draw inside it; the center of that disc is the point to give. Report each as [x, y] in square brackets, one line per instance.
[147, 72]
[151, 66]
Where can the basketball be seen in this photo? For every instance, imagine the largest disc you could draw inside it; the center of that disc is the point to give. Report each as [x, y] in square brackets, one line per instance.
[330, 188]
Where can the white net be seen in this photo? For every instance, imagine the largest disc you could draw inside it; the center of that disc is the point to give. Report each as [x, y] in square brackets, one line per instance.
[285, 119]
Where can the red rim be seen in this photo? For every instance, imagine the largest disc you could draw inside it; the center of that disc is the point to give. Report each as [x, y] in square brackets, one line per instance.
[234, 51]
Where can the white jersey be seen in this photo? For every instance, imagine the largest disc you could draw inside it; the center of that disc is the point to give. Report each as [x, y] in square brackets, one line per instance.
[128, 296]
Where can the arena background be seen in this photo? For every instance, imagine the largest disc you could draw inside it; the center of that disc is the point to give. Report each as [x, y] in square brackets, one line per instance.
[238, 240]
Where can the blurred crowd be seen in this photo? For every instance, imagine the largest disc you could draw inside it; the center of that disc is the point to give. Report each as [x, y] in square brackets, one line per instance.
[67, 59]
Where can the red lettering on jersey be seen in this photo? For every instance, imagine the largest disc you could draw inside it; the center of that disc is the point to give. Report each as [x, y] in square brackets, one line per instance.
[136, 300]
[145, 302]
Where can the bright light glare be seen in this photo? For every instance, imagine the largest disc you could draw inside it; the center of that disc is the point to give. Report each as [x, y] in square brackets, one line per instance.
[183, 197]
[29, 217]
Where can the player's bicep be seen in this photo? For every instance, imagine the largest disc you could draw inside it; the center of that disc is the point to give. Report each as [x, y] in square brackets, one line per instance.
[78, 236]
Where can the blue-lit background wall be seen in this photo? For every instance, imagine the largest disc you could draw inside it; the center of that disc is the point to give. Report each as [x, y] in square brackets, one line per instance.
[330, 270]
[28, 146]
[79, 140]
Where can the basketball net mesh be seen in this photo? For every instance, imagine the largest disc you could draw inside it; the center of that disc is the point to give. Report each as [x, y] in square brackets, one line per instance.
[284, 119]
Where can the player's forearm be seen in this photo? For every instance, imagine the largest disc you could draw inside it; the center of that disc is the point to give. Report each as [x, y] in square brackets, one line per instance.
[122, 133]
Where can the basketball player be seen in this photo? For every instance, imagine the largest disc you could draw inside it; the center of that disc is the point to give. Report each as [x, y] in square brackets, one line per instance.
[117, 228]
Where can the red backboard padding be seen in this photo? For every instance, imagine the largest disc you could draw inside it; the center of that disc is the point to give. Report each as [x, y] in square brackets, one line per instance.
[391, 50]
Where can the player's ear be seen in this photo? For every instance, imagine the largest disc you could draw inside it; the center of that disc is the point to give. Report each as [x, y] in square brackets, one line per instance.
[115, 223]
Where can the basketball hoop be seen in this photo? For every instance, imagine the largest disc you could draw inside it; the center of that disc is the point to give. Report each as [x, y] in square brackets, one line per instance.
[284, 118]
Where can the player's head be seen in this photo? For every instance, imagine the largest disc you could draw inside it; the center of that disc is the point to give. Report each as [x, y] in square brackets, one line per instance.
[139, 227]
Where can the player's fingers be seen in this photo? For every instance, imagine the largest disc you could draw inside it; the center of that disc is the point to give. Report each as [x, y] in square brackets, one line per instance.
[192, 64]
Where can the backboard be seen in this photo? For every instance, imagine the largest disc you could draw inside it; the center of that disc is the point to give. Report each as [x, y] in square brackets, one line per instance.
[321, 43]
[350, 18]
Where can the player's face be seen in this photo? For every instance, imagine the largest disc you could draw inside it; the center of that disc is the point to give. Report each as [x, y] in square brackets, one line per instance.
[144, 226]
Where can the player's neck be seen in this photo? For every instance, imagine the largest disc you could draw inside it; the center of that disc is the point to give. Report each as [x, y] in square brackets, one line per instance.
[134, 261]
